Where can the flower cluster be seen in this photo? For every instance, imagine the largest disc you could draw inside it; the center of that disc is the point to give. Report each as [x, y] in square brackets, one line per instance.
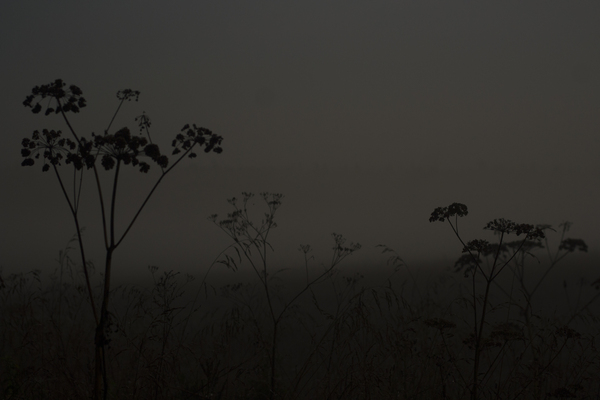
[120, 146]
[339, 245]
[506, 226]
[125, 147]
[128, 94]
[50, 145]
[144, 124]
[235, 224]
[475, 249]
[189, 136]
[67, 99]
[524, 246]
[570, 245]
[478, 246]
[273, 200]
[443, 213]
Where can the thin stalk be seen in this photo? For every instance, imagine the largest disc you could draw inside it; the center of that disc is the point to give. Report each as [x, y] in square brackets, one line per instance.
[80, 241]
[100, 334]
[150, 195]
[114, 115]
[100, 339]
[96, 177]
[113, 205]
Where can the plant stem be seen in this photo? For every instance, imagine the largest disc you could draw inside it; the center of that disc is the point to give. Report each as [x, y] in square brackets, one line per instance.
[80, 241]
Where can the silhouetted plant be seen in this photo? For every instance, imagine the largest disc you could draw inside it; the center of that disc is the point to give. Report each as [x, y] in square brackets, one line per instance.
[477, 248]
[113, 150]
[251, 243]
[515, 254]
[354, 341]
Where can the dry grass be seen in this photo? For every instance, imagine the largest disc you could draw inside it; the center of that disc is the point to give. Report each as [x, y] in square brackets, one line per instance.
[180, 339]
[327, 336]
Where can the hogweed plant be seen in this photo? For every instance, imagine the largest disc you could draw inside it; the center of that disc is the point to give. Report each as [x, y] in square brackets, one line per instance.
[500, 256]
[474, 249]
[251, 244]
[113, 151]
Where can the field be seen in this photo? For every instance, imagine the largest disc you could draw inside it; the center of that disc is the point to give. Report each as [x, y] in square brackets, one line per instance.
[493, 325]
[317, 333]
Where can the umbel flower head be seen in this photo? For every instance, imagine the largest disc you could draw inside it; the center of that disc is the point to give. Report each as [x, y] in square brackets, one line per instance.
[190, 135]
[507, 226]
[67, 99]
[570, 245]
[443, 213]
[125, 147]
[50, 145]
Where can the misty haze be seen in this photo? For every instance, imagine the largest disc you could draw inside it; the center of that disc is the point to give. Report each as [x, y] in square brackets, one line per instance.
[310, 200]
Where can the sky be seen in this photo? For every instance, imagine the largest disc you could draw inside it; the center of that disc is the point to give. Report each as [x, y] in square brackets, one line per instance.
[365, 115]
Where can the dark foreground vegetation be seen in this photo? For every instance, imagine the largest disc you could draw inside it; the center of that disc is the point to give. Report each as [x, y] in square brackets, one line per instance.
[329, 336]
[323, 336]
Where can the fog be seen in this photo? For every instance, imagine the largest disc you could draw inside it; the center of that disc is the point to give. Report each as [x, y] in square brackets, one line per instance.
[366, 118]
